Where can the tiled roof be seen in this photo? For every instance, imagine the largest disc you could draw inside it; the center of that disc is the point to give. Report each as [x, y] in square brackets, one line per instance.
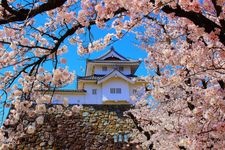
[114, 61]
[99, 77]
[92, 77]
[131, 76]
[65, 90]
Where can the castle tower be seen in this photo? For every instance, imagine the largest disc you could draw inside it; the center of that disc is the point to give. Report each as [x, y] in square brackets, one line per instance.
[109, 79]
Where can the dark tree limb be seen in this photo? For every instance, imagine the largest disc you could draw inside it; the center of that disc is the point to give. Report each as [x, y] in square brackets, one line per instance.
[23, 14]
[140, 129]
[190, 106]
[158, 71]
[204, 84]
[217, 8]
[221, 83]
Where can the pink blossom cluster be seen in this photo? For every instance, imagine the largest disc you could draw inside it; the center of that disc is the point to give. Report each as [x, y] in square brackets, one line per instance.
[184, 40]
[188, 87]
[62, 76]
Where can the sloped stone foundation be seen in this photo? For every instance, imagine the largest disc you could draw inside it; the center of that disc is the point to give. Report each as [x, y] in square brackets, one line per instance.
[95, 127]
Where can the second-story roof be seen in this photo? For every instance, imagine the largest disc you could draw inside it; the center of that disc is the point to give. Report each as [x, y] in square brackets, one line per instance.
[99, 77]
[111, 58]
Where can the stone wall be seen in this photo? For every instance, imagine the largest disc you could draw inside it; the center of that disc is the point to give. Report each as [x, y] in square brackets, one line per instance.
[94, 127]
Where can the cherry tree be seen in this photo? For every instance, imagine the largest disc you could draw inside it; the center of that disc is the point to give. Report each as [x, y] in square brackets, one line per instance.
[187, 107]
[185, 43]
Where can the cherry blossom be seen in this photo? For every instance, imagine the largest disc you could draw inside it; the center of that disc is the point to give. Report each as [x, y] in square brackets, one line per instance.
[40, 120]
[31, 129]
[183, 107]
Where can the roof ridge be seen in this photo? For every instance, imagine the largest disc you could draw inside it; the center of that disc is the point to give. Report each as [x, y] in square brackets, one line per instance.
[112, 49]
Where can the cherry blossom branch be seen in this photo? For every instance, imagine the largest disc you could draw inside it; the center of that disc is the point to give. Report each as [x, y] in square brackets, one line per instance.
[140, 129]
[23, 14]
[53, 50]
[198, 19]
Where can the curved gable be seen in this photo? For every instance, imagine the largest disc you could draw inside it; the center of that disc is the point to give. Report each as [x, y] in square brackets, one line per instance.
[112, 55]
[115, 73]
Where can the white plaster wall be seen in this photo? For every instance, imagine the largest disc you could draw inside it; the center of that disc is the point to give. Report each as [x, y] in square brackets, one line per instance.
[103, 92]
[90, 98]
[72, 99]
[115, 83]
[98, 70]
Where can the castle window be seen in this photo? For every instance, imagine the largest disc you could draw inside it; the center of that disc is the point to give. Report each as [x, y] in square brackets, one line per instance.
[115, 90]
[118, 90]
[112, 90]
[94, 91]
[104, 68]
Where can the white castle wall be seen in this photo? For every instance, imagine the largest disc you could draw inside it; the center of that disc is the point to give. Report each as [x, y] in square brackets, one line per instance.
[90, 98]
[98, 70]
[115, 83]
[72, 98]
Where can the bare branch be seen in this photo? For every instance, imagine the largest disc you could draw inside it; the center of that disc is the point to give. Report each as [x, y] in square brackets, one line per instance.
[23, 14]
